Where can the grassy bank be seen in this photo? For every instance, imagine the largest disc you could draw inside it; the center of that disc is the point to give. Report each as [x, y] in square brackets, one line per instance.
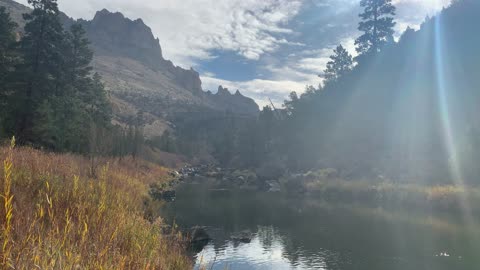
[452, 198]
[55, 215]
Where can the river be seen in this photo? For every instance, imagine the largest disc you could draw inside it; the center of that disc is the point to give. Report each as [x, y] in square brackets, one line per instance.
[294, 232]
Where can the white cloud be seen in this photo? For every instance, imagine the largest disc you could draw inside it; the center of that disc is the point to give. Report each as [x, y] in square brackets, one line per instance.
[190, 29]
[294, 75]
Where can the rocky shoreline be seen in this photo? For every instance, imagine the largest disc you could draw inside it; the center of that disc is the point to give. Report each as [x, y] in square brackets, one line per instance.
[221, 178]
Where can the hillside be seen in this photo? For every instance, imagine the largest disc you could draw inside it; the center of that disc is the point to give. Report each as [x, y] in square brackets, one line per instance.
[138, 78]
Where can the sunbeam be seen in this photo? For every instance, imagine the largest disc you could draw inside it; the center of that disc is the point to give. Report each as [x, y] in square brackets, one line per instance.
[443, 86]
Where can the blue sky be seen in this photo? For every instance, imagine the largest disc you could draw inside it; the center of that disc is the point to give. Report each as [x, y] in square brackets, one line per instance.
[264, 48]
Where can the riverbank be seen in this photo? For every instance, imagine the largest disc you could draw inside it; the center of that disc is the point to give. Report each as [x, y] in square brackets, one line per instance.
[327, 185]
[385, 193]
[63, 211]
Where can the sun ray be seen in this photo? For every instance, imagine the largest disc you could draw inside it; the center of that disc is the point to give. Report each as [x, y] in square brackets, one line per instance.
[443, 86]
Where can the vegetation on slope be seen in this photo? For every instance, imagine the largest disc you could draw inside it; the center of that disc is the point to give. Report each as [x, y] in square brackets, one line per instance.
[55, 216]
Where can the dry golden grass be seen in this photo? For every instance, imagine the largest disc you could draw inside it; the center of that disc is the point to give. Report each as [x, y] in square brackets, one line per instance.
[55, 217]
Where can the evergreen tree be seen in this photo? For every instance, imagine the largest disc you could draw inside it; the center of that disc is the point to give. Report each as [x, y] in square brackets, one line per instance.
[376, 24]
[341, 63]
[42, 49]
[7, 60]
[78, 57]
[82, 105]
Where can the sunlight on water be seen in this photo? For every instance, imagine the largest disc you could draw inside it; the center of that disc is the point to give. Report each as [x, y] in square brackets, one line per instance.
[262, 252]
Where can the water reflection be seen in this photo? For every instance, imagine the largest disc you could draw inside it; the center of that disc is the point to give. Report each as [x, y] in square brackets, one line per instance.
[300, 233]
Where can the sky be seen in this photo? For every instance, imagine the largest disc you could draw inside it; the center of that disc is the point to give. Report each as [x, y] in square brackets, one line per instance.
[264, 48]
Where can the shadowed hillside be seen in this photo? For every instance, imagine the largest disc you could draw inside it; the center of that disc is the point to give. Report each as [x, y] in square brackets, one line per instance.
[409, 112]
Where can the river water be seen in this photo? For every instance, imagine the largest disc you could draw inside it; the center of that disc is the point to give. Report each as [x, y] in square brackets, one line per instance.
[304, 233]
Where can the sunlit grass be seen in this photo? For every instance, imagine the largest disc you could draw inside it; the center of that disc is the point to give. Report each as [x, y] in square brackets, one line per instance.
[56, 217]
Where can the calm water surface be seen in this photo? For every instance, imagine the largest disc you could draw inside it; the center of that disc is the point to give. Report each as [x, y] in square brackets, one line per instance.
[300, 233]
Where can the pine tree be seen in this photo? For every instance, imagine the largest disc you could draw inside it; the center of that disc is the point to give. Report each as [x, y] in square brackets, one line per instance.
[84, 97]
[341, 63]
[79, 55]
[42, 48]
[7, 61]
[376, 24]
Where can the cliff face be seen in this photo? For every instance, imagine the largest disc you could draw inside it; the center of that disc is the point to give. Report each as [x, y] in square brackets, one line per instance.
[130, 60]
[114, 35]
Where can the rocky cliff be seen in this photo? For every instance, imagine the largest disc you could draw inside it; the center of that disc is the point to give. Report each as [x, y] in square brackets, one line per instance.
[137, 76]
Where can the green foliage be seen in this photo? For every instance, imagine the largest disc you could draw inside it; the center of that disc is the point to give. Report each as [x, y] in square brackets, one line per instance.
[42, 48]
[376, 24]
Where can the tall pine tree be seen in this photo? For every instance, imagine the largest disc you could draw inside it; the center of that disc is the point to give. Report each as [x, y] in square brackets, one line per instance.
[376, 24]
[42, 48]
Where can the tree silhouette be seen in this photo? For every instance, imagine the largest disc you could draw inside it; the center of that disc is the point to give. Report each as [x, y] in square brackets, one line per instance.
[376, 24]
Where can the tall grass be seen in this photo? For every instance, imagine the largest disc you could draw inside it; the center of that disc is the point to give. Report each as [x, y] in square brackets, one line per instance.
[56, 217]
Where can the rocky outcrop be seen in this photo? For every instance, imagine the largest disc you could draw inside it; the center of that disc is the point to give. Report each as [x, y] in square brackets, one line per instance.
[113, 34]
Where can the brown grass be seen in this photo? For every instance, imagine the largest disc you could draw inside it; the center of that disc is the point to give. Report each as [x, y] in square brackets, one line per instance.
[56, 217]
